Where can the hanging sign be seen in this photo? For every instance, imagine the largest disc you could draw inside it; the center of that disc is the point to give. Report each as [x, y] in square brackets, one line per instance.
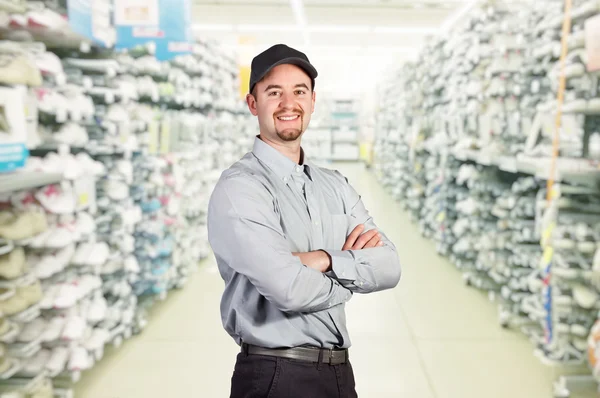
[592, 43]
[93, 25]
[164, 23]
[13, 128]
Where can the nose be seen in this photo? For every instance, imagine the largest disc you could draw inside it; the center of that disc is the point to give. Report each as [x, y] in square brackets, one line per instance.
[287, 101]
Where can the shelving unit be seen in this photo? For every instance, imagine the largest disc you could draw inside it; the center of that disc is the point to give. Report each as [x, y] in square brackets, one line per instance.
[345, 126]
[467, 148]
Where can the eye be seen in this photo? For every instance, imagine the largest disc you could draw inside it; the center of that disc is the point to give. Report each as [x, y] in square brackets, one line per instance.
[300, 92]
[273, 93]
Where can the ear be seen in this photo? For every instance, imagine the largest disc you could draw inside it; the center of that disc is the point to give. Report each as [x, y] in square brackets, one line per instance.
[251, 101]
[314, 98]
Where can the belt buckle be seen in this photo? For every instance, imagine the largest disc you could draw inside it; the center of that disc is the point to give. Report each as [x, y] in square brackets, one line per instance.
[330, 357]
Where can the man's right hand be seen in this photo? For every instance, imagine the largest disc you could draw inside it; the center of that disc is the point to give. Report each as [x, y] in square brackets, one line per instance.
[356, 241]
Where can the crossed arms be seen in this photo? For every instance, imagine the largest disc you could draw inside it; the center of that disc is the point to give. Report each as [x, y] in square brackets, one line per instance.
[245, 232]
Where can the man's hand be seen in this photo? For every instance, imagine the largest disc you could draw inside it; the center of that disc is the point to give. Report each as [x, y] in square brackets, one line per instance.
[318, 260]
[356, 241]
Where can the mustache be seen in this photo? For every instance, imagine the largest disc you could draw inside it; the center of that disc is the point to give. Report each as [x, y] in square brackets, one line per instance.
[295, 110]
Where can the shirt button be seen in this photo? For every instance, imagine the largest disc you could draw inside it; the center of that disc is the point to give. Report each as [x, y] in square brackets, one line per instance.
[285, 179]
[298, 169]
[316, 223]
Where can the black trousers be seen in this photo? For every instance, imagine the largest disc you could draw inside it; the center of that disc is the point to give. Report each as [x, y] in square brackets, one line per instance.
[258, 376]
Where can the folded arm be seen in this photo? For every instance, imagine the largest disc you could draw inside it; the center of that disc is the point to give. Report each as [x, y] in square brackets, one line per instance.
[367, 270]
[244, 230]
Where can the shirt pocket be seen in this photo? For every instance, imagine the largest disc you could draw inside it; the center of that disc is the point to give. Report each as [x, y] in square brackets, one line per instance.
[340, 228]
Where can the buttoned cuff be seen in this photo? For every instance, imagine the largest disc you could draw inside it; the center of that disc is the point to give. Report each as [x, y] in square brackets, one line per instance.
[343, 265]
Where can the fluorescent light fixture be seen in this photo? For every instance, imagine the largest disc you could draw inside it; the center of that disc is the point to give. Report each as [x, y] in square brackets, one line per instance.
[405, 30]
[267, 28]
[213, 27]
[315, 28]
[299, 14]
[360, 50]
[454, 18]
[339, 28]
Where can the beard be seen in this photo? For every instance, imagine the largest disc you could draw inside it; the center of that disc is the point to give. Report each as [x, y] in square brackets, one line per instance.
[290, 134]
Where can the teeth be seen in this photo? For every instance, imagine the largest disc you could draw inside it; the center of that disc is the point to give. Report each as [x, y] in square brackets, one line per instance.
[288, 118]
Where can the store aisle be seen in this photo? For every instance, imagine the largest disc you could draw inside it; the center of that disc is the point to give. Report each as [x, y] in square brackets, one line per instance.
[430, 337]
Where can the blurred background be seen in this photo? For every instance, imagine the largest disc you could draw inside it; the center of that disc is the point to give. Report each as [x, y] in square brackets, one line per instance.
[471, 130]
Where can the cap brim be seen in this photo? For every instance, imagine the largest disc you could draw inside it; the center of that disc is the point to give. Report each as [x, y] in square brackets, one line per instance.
[305, 66]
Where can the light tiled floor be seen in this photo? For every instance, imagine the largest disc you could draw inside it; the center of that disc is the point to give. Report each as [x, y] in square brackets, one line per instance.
[431, 337]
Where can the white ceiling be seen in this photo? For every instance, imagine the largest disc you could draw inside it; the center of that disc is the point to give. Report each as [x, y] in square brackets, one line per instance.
[351, 42]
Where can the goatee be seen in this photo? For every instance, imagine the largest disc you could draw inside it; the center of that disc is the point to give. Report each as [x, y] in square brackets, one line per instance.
[289, 135]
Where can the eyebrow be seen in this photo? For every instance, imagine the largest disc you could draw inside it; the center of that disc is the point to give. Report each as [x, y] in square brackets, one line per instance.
[272, 86]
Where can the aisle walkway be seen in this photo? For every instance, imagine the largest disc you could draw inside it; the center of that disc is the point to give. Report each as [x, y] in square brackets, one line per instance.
[431, 337]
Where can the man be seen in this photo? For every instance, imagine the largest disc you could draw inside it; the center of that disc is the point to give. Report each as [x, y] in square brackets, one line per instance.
[293, 242]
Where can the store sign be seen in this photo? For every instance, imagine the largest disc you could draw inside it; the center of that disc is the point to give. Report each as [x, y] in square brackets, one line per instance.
[90, 24]
[164, 23]
[136, 12]
[592, 43]
[12, 157]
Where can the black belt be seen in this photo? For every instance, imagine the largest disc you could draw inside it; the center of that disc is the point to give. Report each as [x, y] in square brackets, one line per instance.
[307, 354]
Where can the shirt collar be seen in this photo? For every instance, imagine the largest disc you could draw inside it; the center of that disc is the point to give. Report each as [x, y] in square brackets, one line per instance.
[280, 164]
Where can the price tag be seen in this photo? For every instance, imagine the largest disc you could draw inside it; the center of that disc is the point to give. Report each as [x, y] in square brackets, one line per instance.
[441, 217]
[83, 199]
[85, 192]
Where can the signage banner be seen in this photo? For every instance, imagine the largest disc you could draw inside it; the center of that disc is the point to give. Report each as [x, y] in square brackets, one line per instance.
[165, 23]
[91, 19]
[12, 157]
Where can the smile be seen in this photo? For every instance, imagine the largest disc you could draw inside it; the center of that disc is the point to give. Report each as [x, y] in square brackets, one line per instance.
[288, 118]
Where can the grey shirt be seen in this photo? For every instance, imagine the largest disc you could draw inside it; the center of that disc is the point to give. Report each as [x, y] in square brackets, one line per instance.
[263, 208]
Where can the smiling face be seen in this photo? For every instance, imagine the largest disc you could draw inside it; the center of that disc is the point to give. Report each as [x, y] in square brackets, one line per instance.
[284, 102]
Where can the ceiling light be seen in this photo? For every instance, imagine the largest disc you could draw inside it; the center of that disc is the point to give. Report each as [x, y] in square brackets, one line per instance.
[339, 28]
[213, 27]
[454, 18]
[405, 30]
[268, 28]
[298, 9]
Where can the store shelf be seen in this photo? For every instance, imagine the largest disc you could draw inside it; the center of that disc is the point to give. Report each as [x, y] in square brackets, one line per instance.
[576, 171]
[25, 385]
[26, 180]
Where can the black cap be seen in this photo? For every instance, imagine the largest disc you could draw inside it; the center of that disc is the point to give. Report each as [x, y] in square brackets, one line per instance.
[279, 54]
